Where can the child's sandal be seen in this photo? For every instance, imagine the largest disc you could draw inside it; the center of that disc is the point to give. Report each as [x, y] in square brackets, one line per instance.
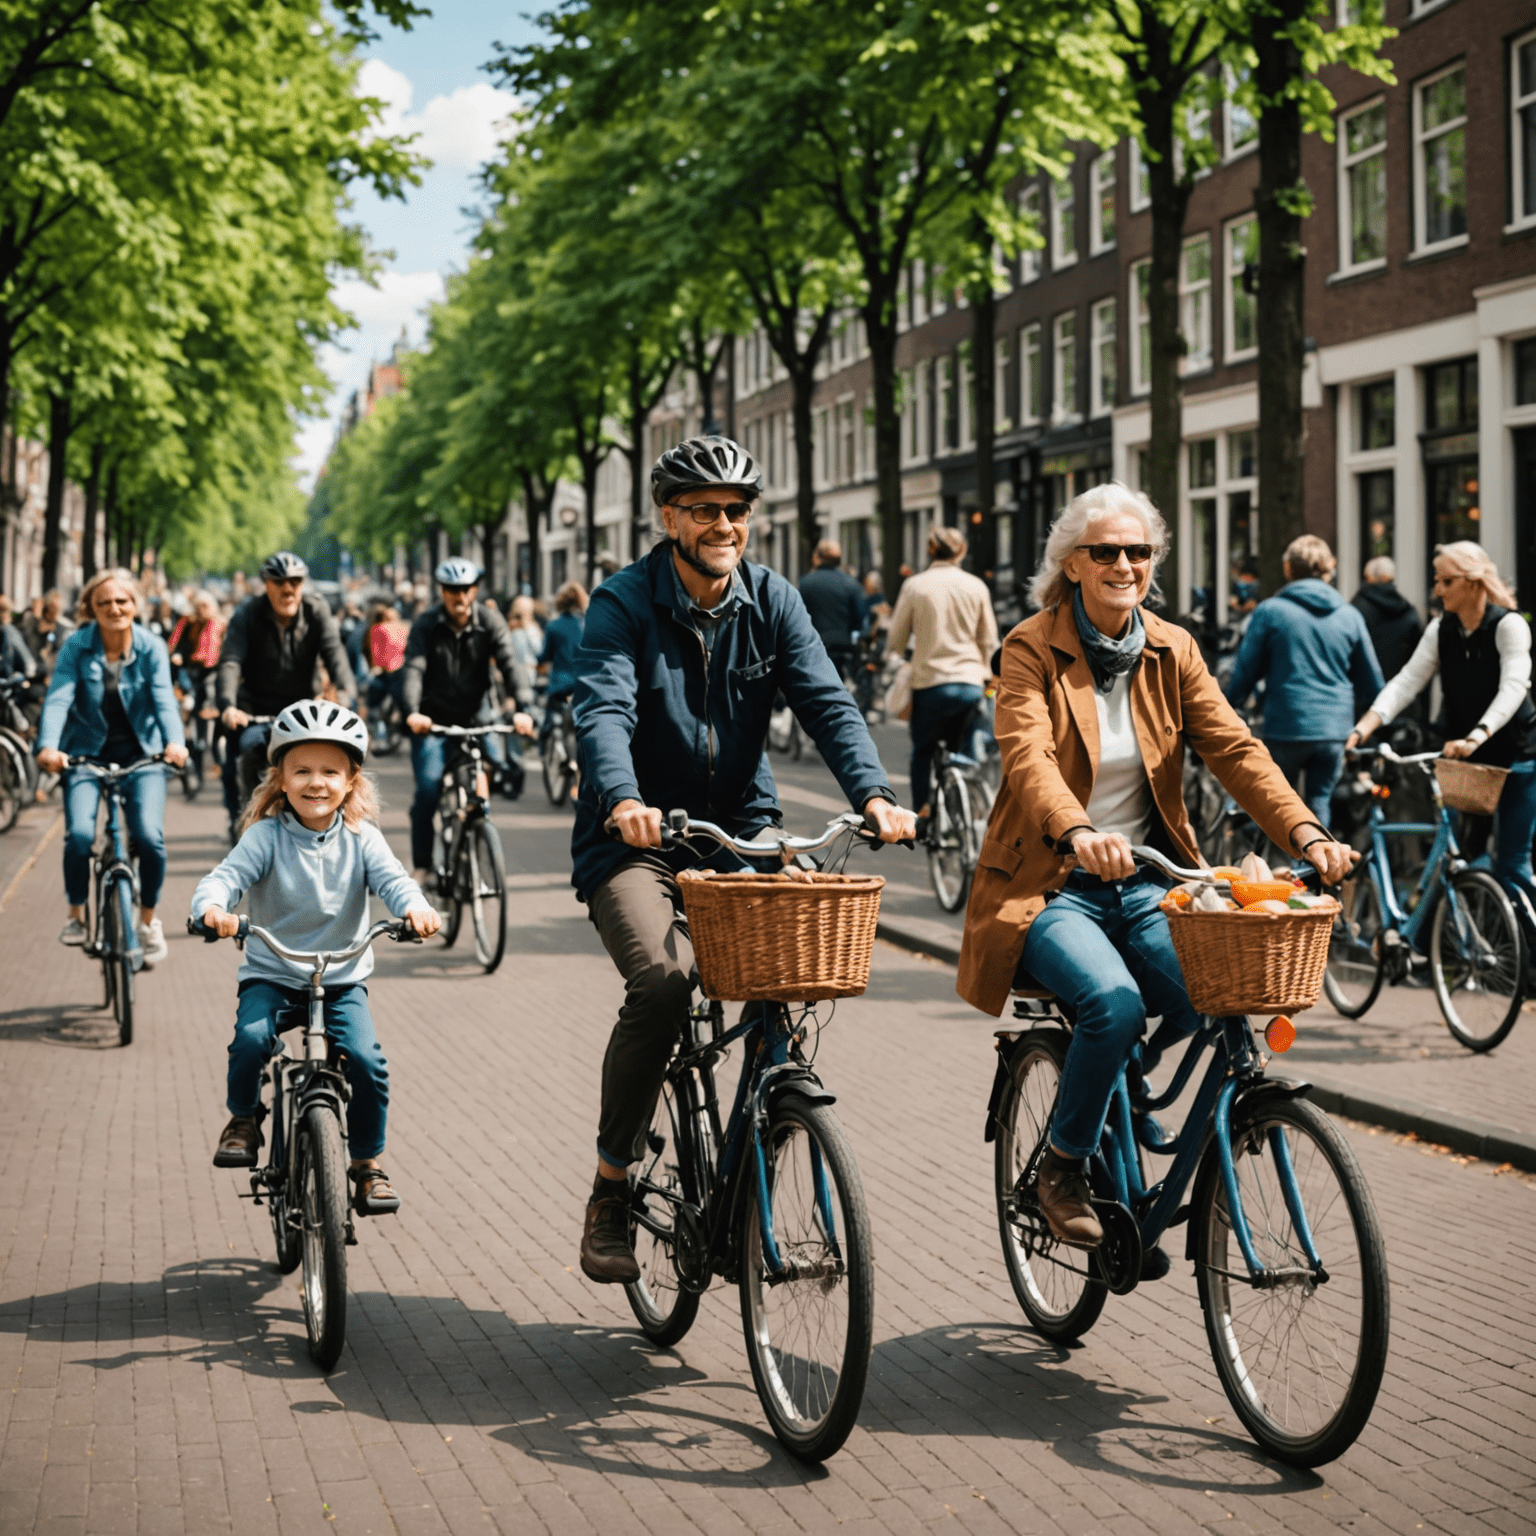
[374, 1195]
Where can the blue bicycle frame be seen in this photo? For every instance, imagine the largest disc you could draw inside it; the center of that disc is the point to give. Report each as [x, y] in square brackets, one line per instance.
[1444, 859]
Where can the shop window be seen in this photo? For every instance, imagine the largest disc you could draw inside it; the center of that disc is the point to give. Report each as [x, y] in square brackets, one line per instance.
[1202, 464]
[1378, 415]
[1525, 371]
[1378, 526]
[1242, 455]
[1451, 396]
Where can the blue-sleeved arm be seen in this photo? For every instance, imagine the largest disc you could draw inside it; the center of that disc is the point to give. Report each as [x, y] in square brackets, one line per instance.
[248, 861]
[387, 878]
[1252, 661]
[1364, 669]
[604, 702]
[167, 711]
[61, 694]
[824, 706]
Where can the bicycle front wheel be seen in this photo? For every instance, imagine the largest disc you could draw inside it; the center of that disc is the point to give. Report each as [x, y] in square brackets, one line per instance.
[1477, 960]
[119, 903]
[322, 1196]
[664, 1181]
[1300, 1356]
[1054, 1283]
[810, 1328]
[553, 755]
[13, 785]
[486, 885]
[951, 841]
[1356, 961]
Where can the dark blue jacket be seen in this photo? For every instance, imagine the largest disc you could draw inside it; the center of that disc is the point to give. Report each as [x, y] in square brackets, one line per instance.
[562, 641]
[835, 602]
[72, 718]
[1313, 653]
[652, 727]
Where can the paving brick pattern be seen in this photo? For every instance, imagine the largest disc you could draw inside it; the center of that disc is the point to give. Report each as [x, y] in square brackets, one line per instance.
[153, 1361]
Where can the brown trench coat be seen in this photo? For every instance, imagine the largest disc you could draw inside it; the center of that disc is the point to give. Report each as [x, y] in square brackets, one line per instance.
[1048, 729]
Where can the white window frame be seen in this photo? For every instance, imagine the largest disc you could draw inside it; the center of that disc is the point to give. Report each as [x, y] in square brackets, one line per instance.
[1002, 355]
[1232, 275]
[1103, 319]
[1064, 401]
[944, 382]
[1032, 257]
[1196, 361]
[921, 312]
[1140, 314]
[1421, 245]
[1030, 351]
[1137, 200]
[1347, 162]
[1424, 7]
[1059, 256]
[1517, 103]
[964, 402]
[1230, 149]
[1102, 168]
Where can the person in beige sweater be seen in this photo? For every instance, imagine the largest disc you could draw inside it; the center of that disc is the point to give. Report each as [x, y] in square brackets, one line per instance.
[946, 615]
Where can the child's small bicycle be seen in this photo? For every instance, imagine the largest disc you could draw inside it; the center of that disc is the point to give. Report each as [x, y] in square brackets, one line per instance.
[305, 1178]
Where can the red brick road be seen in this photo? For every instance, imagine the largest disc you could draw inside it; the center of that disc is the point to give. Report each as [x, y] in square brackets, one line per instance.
[154, 1360]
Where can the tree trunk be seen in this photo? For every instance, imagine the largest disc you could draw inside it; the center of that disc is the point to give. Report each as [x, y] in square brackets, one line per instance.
[590, 463]
[802, 380]
[488, 552]
[58, 470]
[1281, 321]
[984, 375]
[92, 509]
[112, 543]
[537, 494]
[880, 328]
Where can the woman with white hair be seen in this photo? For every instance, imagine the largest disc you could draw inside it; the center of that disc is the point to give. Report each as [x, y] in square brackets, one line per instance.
[1482, 650]
[1097, 703]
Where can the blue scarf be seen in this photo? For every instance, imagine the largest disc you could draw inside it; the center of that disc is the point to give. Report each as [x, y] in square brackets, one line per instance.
[1108, 659]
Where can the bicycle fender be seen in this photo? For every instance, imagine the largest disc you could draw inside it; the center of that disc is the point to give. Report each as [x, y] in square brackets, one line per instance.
[1269, 1088]
[802, 1084]
[1005, 1041]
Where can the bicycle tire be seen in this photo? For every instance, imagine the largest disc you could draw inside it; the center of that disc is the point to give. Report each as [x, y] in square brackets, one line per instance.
[811, 1405]
[665, 1177]
[322, 1192]
[105, 948]
[120, 904]
[487, 885]
[1357, 964]
[452, 885]
[951, 841]
[1496, 975]
[553, 768]
[1054, 1284]
[13, 784]
[1346, 1321]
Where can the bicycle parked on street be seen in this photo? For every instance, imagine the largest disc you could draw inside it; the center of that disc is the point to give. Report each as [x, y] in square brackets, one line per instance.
[18, 768]
[1460, 924]
[304, 1182]
[964, 788]
[1288, 1253]
[768, 1198]
[469, 869]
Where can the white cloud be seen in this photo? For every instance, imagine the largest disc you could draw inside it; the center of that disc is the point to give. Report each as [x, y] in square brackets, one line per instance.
[462, 129]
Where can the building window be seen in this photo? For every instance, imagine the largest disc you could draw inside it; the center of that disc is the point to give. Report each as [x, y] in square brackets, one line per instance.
[1141, 179]
[1002, 417]
[1202, 464]
[1029, 259]
[1378, 521]
[1141, 327]
[1451, 396]
[1451, 452]
[1440, 160]
[1101, 214]
[1029, 375]
[1522, 156]
[1525, 371]
[920, 306]
[847, 443]
[1103, 381]
[1242, 455]
[1063, 223]
[1242, 128]
[1242, 317]
[1363, 188]
[1195, 303]
[1378, 415]
[948, 422]
[967, 398]
[1064, 402]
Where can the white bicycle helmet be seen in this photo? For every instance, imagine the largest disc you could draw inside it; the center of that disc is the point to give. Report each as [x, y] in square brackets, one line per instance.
[309, 721]
[457, 572]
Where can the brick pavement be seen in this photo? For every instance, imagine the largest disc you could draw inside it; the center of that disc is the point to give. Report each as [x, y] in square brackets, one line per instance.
[158, 1380]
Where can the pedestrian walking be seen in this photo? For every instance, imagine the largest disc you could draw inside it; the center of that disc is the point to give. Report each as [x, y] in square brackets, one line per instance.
[1392, 622]
[1312, 652]
[835, 602]
[946, 615]
[15, 658]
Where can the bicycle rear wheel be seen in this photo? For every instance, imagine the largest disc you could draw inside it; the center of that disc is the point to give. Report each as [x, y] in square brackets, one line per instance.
[282, 1204]
[1356, 960]
[553, 755]
[1301, 1358]
[951, 841]
[322, 1195]
[664, 1180]
[486, 886]
[1054, 1283]
[117, 957]
[809, 1335]
[1477, 960]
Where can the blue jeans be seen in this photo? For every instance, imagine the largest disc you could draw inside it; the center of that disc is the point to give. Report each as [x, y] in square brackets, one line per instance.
[246, 749]
[348, 1025]
[1514, 828]
[429, 756]
[938, 714]
[1104, 950]
[1321, 762]
[143, 810]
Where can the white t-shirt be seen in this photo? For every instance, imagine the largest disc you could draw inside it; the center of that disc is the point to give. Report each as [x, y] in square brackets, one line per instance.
[1122, 798]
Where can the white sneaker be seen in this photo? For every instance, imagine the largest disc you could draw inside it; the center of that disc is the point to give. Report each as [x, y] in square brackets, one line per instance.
[152, 940]
[74, 932]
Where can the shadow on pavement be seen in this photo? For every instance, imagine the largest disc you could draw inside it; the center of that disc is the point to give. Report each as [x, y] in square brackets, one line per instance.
[79, 1026]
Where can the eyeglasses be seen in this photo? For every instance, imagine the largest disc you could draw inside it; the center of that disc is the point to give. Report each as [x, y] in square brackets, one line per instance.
[287, 583]
[705, 513]
[1108, 554]
[456, 591]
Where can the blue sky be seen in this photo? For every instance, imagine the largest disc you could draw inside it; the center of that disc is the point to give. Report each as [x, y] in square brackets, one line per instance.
[433, 79]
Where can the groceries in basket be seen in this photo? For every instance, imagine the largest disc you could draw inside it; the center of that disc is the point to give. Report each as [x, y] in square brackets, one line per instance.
[1255, 888]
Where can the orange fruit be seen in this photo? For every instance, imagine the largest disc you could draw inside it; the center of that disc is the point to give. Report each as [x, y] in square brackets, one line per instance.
[1246, 892]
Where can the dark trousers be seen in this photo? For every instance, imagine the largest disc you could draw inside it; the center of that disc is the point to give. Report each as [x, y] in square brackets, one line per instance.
[638, 912]
[938, 714]
[1312, 769]
[245, 760]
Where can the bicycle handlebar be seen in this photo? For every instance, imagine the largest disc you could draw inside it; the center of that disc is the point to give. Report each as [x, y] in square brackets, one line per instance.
[113, 771]
[471, 730]
[676, 826]
[1208, 877]
[394, 928]
[1384, 751]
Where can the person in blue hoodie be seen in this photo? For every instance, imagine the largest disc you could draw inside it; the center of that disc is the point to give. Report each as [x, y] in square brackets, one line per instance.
[1313, 653]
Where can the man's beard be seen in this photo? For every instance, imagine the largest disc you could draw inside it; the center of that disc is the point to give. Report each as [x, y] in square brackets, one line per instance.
[690, 558]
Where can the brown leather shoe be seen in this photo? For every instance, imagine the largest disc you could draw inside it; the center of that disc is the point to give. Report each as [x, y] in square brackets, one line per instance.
[239, 1143]
[374, 1195]
[606, 1254]
[1064, 1196]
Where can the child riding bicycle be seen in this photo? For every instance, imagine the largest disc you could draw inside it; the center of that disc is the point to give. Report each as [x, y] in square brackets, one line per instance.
[309, 854]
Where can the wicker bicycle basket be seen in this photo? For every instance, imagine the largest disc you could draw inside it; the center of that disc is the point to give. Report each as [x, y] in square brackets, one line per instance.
[1252, 962]
[772, 938]
[1473, 787]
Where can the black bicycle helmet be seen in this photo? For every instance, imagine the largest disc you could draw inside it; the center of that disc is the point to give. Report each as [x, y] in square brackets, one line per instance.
[283, 566]
[704, 461]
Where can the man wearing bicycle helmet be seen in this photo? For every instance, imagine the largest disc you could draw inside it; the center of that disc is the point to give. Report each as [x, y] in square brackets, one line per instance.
[681, 658]
[274, 644]
[447, 677]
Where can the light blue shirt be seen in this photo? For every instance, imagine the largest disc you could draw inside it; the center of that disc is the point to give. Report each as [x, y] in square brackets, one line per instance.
[310, 890]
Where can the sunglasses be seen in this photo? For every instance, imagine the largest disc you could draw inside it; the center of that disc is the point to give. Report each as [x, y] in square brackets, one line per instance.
[458, 591]
[1108, 554]
[287, 583]
[706, 512]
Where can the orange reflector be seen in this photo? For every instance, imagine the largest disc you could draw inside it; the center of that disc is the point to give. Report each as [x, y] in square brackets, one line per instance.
[1280, 1034]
